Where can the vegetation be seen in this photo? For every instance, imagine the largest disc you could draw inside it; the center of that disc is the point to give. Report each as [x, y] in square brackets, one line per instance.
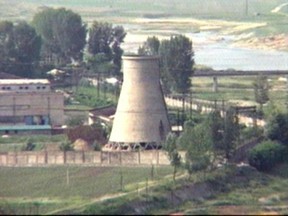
[261, 91]
[105, 39]
[19, 48]
[277, 128]
[266, 155]
[62, 32]
[176, 63]
[49, 187]
[174, 156]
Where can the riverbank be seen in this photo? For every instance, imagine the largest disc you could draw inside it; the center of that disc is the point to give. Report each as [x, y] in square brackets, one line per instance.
[275, 42]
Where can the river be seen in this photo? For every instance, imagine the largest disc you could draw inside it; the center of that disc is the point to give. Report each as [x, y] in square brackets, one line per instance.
[218, 52]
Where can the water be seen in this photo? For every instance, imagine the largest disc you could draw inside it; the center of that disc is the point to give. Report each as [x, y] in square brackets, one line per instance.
[222, 55]
[217, 52]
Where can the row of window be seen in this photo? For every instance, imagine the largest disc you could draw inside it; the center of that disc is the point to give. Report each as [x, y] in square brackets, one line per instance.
[23, 87]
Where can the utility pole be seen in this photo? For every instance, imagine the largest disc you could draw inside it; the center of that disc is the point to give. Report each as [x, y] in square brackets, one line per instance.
[246, 7]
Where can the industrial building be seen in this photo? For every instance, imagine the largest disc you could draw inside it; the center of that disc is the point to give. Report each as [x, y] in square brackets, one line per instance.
[29, 106]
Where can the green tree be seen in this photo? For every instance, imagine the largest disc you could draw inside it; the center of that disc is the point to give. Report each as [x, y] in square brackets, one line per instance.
[261, 91]
[216, 129]
[106, 39]
[6, 41]
[231, 132]
[176, 63]
[277, 128]
[19, 48]
[174, 157]
[198, 145]
[223, 132]
[150, 46]
[63, 34]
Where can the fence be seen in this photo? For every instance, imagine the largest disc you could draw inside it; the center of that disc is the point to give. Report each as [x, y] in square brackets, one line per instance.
[204, 106]
[42, 158]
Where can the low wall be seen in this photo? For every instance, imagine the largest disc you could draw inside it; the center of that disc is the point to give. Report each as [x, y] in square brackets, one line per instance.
[41, 158]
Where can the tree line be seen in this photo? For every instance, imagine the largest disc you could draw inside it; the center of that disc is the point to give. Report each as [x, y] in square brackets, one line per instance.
[55, 38]
[59, 37]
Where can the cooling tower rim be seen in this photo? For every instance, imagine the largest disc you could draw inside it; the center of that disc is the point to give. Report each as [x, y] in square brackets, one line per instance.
[140, 57]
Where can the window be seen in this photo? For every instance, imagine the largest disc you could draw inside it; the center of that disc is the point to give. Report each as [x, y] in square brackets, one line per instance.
[38, 87]
[43, 87]
[26, 87]
[21, 87]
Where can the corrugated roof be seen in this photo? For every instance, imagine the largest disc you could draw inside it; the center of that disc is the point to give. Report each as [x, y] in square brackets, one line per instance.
[23, 81]
[4, 75]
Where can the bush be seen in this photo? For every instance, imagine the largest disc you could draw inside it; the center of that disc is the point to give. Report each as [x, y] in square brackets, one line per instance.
[75, 121]
[266, 155]
[66, 146]
[277, 128]
[29, 146]
[249, 133]
[97, 146]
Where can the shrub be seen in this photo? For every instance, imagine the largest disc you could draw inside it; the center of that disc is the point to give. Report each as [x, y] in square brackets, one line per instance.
[277, 128]
[97, 146]
[29, 146]
[249, 133]
[66, 146]
[266, 155]
[75, 121]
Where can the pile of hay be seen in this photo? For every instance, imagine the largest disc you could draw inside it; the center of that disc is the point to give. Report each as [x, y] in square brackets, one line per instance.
[82, 145]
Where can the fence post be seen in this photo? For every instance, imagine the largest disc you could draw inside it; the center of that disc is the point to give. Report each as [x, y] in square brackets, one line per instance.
[37, 156]
[45, 155]
[157, 157]
[83, 156]
[101, 160]
[15, 156]
[120, 157]
[64, 156]
[139, 160]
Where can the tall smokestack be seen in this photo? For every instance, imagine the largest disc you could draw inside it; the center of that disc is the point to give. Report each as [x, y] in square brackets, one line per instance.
[141, 119]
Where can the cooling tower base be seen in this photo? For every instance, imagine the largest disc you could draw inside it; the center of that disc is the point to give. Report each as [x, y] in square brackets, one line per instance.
[118, 146]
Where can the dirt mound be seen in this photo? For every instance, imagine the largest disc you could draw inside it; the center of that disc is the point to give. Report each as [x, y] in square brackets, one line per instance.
[81, 145]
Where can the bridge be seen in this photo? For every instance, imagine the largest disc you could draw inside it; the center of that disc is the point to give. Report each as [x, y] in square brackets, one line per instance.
[222, 73]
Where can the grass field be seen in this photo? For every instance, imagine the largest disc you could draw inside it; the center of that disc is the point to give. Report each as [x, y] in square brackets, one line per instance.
[240, 89]
[97, 190]
[46, 189]
[125, 11]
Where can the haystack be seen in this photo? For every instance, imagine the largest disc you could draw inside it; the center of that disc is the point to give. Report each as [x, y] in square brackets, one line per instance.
[82, 145]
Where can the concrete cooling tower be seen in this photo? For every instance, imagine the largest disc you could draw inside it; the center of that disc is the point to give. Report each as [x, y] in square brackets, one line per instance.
[141, 119]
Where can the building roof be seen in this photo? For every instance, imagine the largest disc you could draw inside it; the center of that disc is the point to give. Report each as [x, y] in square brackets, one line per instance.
[104, 111]
[4, 75]
[23, 81]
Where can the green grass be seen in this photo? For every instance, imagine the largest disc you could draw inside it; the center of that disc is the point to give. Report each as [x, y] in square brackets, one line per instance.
[32, 138]
[17, 143]
[123, 10]
[48, 185]
[45, 190]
